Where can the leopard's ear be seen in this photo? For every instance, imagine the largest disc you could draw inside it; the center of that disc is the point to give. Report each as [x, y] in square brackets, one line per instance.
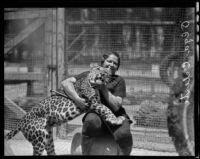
[92, 65]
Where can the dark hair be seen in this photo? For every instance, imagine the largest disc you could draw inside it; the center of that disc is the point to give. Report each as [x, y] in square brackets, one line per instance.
[105, 56]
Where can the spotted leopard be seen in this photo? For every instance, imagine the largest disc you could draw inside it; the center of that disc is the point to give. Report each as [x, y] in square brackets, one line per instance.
[37, 124]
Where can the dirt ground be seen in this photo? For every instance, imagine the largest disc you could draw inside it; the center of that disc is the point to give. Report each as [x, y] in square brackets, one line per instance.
[62, 147]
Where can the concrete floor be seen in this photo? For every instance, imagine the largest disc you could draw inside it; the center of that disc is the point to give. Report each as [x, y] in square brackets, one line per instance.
[62, 147]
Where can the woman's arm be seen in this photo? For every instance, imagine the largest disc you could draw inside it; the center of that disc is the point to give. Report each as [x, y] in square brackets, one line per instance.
[68, 86]
[115, 102]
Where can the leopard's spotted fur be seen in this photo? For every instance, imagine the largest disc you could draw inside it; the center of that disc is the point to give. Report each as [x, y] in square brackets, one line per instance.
[37, 124]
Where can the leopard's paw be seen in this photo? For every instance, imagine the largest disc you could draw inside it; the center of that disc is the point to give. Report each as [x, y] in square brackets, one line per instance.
[118, 121]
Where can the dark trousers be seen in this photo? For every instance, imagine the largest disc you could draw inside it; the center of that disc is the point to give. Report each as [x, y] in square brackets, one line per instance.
[94, 126]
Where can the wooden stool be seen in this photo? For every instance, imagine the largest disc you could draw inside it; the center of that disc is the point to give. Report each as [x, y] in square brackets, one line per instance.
[103, 145]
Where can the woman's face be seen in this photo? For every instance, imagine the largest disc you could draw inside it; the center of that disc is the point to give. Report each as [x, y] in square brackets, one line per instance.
[111, 63]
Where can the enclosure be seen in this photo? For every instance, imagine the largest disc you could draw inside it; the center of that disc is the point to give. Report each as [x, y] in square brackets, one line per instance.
[43, 46]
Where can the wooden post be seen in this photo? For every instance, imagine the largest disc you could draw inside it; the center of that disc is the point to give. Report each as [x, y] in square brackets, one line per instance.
[60, 48]
[47, 54]
[67, 50]
[54, 51]
[60, 44]
[30, 89]
[84, 16]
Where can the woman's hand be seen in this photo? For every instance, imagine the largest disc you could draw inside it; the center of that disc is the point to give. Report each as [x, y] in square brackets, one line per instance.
[80, 103]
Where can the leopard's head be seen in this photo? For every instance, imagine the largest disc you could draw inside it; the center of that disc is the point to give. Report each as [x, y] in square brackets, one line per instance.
[99, 75]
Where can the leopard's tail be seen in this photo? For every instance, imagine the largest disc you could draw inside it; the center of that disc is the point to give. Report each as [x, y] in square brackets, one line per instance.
[12, 133]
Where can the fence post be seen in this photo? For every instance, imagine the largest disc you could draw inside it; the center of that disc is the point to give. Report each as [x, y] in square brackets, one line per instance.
[60, 48]
[60, 44]
[47, 54]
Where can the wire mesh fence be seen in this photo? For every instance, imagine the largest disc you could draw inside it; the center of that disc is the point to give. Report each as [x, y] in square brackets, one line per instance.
[23, 66]
[142, 36]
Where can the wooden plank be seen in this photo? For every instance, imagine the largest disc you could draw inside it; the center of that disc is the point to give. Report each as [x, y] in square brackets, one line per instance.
[22, 35]
[26, 14]
[32, 76]
[14, 107]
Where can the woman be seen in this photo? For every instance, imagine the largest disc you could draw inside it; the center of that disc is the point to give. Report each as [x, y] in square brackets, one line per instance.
[112, 96]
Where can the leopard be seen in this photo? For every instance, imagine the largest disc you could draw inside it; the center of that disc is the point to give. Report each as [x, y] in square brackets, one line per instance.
[56, 109]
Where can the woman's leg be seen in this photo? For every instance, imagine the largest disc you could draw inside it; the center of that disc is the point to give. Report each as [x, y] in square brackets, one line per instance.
[123, 137]
[92, 127]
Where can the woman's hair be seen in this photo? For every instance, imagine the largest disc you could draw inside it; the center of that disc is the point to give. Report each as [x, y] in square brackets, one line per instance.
[105, 56]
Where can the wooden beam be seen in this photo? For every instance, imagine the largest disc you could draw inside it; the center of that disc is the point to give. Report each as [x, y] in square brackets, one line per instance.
[149, 79]
[10, 9]
[70, 45]
[14, 107]
[22, 35]
[76, 39]
[90, 22]
[27, 76]
[27, 14]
